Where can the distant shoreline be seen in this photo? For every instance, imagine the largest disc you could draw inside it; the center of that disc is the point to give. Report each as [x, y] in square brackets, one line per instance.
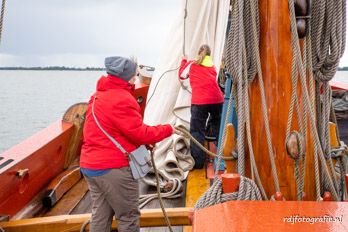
[62, 68]
[51, 68]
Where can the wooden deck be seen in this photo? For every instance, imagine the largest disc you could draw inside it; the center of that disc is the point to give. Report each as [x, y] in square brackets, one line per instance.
[75, 207]
[78, 201]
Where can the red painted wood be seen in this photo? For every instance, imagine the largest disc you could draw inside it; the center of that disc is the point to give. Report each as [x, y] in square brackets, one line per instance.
[43, 155]
[327, 196]
[279, 196]
[140, 92]
[346, 179]
[261, 216]
[338, 85]
[230, 182]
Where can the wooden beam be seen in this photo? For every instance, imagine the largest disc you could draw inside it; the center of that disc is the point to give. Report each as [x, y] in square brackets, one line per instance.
[70, 200]
[60, 185]
[148, 218]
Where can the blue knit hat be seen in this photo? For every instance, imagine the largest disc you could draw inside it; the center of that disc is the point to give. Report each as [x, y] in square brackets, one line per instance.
[121, 67]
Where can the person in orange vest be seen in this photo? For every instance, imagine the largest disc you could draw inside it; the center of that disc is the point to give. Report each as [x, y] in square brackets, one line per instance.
[207, 98]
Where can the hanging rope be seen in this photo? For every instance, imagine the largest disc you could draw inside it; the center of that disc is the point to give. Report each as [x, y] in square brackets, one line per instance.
[184, 132]
[184, 32]
[243, 62]
[328, 37]
[2, 17]
[159, 194]
[183, 52]
[306, 104]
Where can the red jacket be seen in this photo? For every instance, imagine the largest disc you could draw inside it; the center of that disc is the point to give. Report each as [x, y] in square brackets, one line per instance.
[205, 89]
[119, 114]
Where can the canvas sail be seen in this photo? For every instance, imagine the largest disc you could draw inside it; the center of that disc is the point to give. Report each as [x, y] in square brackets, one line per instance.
[169, 100]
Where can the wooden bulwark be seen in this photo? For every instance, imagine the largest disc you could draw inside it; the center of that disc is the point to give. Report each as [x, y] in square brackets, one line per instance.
[37, 160]
[148, 218]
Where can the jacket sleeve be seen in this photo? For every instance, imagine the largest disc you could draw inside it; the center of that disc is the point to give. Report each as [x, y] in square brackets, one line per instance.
[183, 65]
[130, 123]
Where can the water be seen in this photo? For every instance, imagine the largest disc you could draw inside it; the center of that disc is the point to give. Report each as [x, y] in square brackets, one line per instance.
[341, 76]
[31, 100]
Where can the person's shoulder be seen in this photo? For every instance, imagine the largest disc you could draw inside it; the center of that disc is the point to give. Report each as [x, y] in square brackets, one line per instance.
[118, 95]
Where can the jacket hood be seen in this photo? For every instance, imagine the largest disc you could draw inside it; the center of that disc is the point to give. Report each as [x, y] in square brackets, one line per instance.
[113, 82]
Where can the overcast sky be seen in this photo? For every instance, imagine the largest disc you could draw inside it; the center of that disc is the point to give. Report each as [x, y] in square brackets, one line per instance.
[81, 33]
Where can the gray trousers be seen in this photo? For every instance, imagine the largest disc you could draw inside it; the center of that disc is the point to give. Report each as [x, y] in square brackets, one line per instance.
[115, 193]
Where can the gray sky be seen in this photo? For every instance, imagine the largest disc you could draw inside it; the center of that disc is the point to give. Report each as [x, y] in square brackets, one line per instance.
[81, 33]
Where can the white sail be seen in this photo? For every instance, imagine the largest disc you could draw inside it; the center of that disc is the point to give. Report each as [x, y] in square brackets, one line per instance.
[168, 101]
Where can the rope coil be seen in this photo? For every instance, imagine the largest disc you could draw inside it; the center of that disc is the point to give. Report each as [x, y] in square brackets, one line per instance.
[248, 190]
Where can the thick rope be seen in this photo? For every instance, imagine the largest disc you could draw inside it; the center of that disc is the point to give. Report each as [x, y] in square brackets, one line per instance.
[248, 190]
[329, 36]
[84, 225]
[159, 194]
[173, 193]
[243, 62]
[2, 17]
[183, 132]
[307, 104]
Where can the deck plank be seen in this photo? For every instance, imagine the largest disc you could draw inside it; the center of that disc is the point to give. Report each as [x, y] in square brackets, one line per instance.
[84, 206]
[70, 200]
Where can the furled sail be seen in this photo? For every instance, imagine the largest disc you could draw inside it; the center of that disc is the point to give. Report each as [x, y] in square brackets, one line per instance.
[169, 101]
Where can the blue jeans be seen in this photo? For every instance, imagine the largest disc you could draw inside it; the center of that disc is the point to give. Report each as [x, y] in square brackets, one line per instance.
[199, 116]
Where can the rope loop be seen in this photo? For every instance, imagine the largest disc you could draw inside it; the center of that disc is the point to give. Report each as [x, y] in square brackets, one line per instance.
[248, 190]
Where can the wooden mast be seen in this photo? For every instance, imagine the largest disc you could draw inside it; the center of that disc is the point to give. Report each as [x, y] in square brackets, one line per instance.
[276, 56]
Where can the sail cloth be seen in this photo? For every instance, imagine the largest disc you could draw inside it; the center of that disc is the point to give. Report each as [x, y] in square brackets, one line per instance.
[169, 100]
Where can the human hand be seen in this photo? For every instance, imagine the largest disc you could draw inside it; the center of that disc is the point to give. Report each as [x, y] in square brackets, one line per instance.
[184, 57]
[150, 147]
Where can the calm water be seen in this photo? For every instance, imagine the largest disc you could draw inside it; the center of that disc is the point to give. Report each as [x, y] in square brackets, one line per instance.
[31, 100]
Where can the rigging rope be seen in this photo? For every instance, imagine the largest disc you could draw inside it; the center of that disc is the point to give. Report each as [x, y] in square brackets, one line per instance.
[243, 62]
[184, 132]
[329, 36]
[183, 51]
[306, 103]
[2, 17]
[159, 194]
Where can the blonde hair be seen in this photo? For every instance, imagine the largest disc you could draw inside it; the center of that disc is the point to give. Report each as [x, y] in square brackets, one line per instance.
[203, 51]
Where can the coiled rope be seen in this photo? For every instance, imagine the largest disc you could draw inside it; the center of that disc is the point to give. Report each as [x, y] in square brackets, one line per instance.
[248, 190]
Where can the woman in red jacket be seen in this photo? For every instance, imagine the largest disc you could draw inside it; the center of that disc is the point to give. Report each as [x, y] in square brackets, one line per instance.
[207, 98]
[105, 167]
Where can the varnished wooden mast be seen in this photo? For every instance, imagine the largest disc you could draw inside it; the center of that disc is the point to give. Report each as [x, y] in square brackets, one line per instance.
[276, 56]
